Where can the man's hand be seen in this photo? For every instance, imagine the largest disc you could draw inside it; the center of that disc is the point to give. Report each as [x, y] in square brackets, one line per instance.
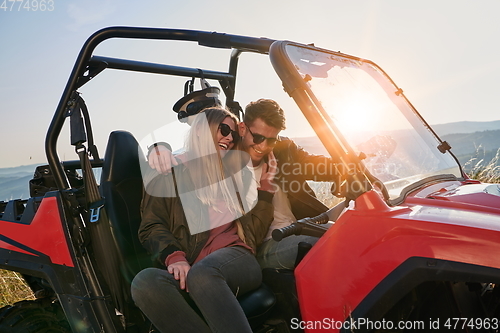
[161, 159]
[269, 171]
[180, 271]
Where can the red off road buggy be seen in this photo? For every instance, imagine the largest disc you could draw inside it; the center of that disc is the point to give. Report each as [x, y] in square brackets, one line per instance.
[417, 249]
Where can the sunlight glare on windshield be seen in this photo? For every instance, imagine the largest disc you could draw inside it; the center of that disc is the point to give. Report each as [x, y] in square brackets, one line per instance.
[356, 114]
[357, 103]
[371, 115]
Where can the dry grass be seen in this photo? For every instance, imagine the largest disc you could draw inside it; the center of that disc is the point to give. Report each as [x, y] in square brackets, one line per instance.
[13, 288]
[486, 173]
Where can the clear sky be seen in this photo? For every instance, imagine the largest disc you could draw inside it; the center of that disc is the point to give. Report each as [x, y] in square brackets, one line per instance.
[445, 55]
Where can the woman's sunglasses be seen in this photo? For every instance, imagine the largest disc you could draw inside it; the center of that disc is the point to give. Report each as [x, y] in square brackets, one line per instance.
[225, 130]
[258, 138]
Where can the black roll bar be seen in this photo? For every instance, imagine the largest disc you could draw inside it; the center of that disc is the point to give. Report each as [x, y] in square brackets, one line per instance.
[148, 67]
[204, 38]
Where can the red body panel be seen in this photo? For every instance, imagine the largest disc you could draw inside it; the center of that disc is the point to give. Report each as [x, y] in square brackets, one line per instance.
[44, 234]
[368, 243]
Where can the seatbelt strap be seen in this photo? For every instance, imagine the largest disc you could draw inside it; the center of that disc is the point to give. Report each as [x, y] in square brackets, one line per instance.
[78, 126]
[94, 200]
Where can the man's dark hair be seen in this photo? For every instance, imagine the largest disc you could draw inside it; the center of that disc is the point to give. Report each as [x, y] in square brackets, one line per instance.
[266, 109]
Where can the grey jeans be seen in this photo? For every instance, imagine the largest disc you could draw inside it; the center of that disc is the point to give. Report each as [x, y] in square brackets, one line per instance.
[213, 284]
[282, 254]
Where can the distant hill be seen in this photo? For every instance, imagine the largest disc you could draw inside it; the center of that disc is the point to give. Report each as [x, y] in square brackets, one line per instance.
[473, 148]
[312, 145]
[469, 143]
[14, 182]
[14, 188]
[466, 127]
[20, 170]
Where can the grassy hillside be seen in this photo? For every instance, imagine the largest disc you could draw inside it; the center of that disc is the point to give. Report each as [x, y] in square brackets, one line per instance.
[484, 142]
[478, 153]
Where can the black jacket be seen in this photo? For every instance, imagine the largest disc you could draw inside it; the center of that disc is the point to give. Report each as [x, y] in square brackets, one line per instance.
[295, 166]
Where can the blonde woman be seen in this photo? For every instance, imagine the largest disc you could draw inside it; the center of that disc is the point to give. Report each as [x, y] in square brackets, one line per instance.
[198, 223]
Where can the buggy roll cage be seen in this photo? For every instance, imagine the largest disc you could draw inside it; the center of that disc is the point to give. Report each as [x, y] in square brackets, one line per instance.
[88, 66]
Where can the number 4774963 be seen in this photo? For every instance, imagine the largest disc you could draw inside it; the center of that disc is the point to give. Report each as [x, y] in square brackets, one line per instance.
[28, 5]
[472, 323]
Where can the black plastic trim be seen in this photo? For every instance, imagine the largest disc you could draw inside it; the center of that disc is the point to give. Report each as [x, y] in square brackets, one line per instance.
[40, 266]
[66, 282]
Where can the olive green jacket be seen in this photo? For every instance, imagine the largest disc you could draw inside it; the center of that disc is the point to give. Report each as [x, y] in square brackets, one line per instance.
[164, 228]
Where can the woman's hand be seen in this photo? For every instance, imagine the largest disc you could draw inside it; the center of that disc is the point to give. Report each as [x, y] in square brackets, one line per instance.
[161, 159]
[269, 171]
[180, 271]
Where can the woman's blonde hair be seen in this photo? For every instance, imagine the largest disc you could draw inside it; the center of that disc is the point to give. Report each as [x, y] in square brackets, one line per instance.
[210, 178]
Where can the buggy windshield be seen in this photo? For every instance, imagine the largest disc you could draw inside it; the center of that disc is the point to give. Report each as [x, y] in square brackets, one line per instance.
[360, 101]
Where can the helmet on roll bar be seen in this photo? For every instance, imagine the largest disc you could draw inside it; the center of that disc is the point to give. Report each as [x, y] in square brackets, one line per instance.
[194, 102]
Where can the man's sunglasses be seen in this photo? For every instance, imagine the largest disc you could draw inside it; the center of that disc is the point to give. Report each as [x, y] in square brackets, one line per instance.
[258, 138]
[225, 130]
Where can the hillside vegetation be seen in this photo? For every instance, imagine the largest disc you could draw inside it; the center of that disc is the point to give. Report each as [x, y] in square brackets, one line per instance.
[477, 152]
[484, 142]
